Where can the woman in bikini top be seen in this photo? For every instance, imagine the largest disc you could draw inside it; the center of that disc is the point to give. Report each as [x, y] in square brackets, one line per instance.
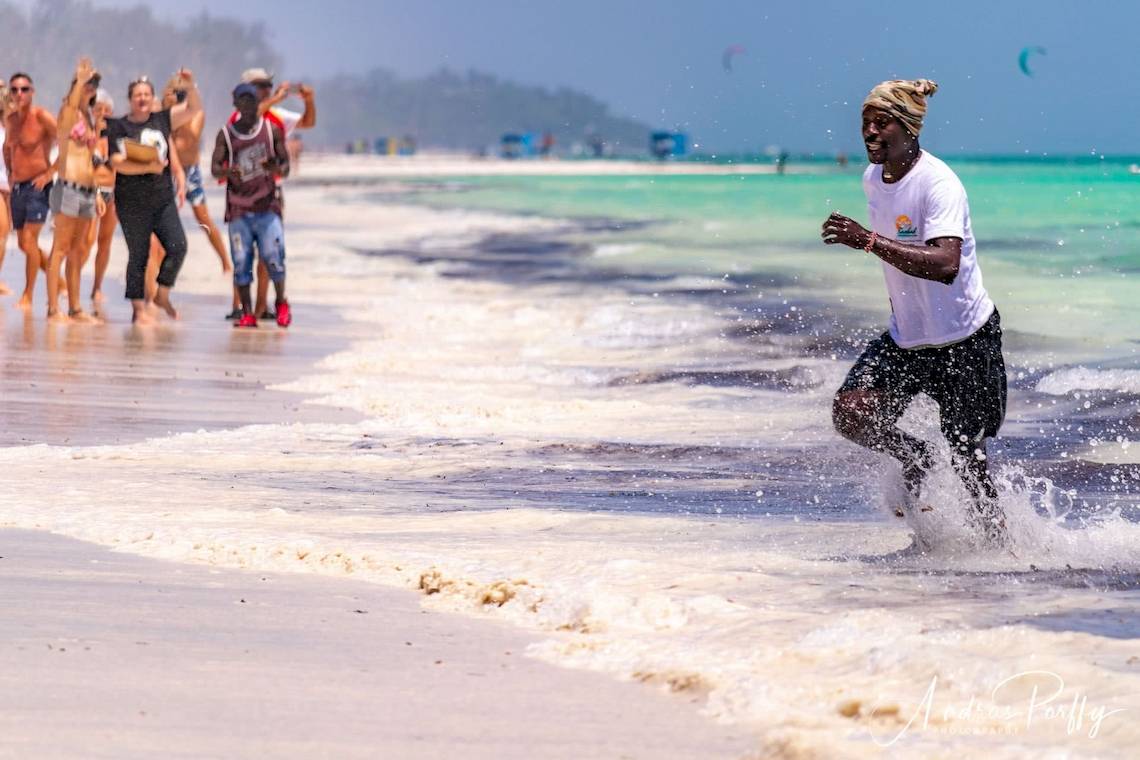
[79, 137]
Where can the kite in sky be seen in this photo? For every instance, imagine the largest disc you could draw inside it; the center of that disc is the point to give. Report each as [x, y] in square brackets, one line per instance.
[730, 52]
[1023, 59]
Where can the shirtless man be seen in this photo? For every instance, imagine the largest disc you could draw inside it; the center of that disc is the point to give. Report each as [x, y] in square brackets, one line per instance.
[187, 146]
[30, 135]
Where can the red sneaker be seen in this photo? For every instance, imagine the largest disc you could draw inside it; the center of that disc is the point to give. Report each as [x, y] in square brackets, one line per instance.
[284, 318]
[246, 320]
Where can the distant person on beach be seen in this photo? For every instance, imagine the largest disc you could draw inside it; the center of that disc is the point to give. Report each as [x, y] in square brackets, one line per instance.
[288, 122]
[6, 107]
[945, 333]
[145, 189]
[103, 231]
[30, 133]
[250, 155]
[74, 195]
[187, 149]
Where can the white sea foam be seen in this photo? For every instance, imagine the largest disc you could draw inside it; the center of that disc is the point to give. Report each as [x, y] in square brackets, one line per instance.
[1072, 379]
[823, 637]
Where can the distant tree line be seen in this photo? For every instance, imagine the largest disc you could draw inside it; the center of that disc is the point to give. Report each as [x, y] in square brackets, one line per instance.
[446, 109]
[47, 40]
[464, 111]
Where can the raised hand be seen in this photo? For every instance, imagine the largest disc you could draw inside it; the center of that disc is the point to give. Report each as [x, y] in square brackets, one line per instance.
[186, 78]
[84, 71]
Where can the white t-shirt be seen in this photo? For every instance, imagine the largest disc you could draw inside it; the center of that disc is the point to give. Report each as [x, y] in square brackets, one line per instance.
[289, 118]
[928, 202]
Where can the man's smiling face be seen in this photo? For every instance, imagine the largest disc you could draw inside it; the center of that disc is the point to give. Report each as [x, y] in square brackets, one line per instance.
[884, 136]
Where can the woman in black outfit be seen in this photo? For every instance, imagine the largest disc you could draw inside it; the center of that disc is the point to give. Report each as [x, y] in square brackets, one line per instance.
[148, 192]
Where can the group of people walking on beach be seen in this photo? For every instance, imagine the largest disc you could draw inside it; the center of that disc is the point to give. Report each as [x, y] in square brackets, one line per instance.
[94, 171]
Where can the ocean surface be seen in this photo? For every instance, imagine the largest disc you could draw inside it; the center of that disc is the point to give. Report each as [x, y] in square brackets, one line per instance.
[599, 408]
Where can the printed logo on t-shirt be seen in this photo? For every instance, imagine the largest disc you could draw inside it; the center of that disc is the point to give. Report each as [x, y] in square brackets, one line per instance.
[904, 227]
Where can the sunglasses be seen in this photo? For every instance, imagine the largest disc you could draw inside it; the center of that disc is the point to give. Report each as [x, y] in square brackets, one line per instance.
[21, 89]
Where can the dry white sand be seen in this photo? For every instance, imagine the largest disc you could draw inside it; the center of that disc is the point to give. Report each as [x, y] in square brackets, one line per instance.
[333, 167]
[107, 654]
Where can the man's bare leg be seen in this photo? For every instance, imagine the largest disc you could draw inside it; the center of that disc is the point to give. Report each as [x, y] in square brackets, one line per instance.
[867, 417]
[971, 463]
[202, 214]
[28, 238]
[262, 289]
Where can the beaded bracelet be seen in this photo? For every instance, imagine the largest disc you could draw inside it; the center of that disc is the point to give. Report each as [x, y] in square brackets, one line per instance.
[871, 242]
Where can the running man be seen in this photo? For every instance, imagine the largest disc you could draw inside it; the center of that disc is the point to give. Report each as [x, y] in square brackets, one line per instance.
[30, 133]
[250, 155]
[288, 121]
[945, 333]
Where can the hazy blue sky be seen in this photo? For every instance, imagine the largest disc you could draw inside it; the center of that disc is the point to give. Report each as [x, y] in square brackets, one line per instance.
[800, 83]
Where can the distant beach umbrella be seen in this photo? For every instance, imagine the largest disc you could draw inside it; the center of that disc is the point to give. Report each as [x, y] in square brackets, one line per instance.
[1023, 58]
[730, 52]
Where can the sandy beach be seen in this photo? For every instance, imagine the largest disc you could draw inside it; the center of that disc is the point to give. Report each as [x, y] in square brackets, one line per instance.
[111, 655]
[120, 656]
[481, 420]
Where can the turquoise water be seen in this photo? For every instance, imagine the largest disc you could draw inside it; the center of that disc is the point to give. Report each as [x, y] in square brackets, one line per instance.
[1059, 241]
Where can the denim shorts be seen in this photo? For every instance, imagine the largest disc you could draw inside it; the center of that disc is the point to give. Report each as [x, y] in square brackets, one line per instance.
[71, 200]
[195, 190]
[265, 231]
[29, 205]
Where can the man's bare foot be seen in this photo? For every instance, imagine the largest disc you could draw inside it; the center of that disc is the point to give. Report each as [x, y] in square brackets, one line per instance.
[58, 317]
[5, 290]
[25, 302]
[80, 316]
[162, 301]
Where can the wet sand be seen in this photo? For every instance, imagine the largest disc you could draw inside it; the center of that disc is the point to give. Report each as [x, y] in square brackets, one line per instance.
[113, 383]
[110, 654]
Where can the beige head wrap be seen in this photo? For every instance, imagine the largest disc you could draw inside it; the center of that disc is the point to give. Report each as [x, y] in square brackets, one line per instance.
[905, 99]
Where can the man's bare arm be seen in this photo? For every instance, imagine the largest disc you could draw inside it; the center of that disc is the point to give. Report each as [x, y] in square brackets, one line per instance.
[281, 153]
[220, 158]
[182, 113]
[51, 129]
[309, 117]
[8, 147]
[197, 124]
[937, 259]
[279, 95]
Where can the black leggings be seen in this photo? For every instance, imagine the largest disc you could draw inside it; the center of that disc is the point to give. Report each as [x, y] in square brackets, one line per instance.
[139, 220]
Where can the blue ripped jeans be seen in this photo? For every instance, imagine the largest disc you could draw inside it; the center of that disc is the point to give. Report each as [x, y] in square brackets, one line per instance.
[264, 230]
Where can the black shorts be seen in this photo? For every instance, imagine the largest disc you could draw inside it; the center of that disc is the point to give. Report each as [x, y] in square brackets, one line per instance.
[966, 379]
